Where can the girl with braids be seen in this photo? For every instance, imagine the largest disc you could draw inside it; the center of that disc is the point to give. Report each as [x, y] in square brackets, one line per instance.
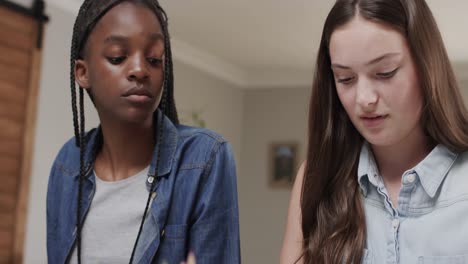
[386, 175]
[140, 188]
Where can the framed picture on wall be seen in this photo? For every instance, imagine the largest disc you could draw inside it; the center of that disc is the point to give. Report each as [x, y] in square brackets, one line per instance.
[283, 164]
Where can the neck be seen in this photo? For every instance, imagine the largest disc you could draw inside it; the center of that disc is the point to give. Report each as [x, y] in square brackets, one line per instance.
[127, 149]
[394, 160]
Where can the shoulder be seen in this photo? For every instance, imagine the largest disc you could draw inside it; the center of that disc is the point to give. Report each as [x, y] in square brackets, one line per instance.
[297, 187]
[456, 179]
[460, 166]
[200, 138]
[67, 160]
[196, 133]
[200, 145]
[293, 240]
[462, 160]
[459, 163]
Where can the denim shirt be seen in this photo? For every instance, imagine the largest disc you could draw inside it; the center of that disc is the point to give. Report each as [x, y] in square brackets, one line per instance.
[430, 223]
[194, 205]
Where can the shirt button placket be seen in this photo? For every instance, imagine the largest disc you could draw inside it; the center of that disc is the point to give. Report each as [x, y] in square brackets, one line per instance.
[395, 227]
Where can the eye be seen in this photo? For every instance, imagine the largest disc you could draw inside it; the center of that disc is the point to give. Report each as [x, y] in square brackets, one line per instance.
[154, 61]
[347, 80]
[387, 75]
[116, 60]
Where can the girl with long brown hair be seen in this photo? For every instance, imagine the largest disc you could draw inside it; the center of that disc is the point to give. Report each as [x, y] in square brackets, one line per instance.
[386, 175]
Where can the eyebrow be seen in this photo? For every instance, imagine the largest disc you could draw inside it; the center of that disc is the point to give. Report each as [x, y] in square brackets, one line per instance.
[123, 39]
[373, 61]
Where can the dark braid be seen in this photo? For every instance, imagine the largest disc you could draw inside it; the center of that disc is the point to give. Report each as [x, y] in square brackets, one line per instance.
[78, 127]
[74, 55]
[82, 171]
[89, 14]
[168, 73]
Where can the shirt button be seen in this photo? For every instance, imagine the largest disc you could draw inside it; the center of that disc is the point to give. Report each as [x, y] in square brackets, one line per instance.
[410, 178]
[395, 223]
[153, 195]
[150, 179]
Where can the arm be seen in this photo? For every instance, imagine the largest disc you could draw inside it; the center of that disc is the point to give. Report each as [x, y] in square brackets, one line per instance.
[292, 243]
[51, 216]
[214, 235]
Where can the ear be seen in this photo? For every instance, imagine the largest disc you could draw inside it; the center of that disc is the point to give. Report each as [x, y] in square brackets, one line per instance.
[81, 74]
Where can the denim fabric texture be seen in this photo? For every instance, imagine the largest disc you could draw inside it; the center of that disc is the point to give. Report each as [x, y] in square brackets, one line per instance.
[195, 205]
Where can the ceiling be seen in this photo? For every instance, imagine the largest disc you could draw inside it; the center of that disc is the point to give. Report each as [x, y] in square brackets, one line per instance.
[267, 43]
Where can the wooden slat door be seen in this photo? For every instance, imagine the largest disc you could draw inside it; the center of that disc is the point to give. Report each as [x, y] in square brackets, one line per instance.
[19, 70]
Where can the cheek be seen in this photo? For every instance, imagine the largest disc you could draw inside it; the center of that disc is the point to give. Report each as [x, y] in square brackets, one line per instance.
[103, 77]
[104, 71]
[407, 97]
[157, 81]
[346, 96]
[95, 75]
[414, 104]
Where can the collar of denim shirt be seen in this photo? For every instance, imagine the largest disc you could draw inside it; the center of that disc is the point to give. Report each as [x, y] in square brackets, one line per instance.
[168, 146]
[431, 171]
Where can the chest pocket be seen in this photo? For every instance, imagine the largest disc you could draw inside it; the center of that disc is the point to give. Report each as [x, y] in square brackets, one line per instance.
[459, 259]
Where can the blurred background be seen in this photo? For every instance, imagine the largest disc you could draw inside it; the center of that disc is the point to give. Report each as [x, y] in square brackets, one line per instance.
[242, 68]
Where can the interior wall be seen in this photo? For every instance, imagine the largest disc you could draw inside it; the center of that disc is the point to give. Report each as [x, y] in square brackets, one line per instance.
[270, 116]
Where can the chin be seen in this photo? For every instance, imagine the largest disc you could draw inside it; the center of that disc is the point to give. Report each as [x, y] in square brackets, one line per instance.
[138, 117]
[380, 139]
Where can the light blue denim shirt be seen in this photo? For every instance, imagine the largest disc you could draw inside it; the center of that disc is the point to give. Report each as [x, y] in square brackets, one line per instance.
[430, 224]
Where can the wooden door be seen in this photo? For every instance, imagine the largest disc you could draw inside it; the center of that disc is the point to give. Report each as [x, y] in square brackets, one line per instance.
[19, 72]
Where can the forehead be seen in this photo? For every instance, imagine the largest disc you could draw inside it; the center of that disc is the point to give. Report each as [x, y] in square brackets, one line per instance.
[128, 18]
[360, 41]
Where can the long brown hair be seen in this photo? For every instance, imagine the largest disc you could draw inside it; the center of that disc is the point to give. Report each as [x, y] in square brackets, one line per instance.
[333, 219]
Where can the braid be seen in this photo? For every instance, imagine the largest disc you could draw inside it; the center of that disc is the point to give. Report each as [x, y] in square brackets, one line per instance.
[79, 127]
[73, 57]
[82, 173]
[170, 111]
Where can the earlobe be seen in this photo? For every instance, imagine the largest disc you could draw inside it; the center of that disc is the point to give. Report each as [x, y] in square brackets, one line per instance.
[81, 74]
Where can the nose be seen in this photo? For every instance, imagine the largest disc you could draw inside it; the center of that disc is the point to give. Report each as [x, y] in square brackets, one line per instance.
[366, 95]
[138, 70]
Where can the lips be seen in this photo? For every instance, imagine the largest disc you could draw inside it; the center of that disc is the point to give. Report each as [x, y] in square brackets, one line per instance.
[138, 96]
[373, 120]
[137, 91]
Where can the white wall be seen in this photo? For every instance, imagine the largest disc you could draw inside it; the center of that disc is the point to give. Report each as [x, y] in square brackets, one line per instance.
[270, 115]
[222, 104]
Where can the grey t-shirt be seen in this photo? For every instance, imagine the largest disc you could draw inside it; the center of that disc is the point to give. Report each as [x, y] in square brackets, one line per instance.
[112, 223]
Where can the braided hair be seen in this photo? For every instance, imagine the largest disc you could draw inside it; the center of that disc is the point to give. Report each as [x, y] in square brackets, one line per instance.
[89, 14]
